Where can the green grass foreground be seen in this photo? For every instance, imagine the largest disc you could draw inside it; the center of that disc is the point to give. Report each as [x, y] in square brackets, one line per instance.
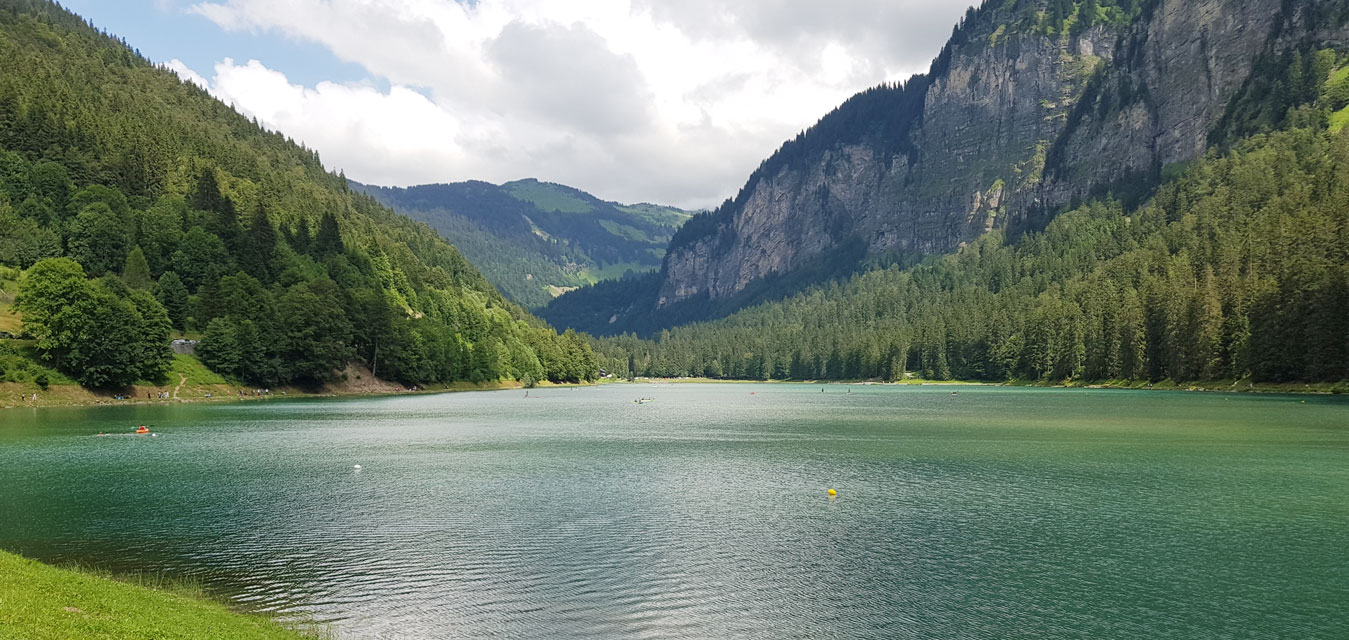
[40, 602]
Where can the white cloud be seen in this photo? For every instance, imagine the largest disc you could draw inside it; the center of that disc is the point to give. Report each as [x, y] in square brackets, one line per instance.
[390, 137]
[630, 99]
[186, 74]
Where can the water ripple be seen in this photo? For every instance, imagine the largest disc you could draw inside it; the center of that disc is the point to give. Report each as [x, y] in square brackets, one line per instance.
[1003, 513]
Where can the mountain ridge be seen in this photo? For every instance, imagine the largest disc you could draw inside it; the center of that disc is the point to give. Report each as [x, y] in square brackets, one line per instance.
[533, 239]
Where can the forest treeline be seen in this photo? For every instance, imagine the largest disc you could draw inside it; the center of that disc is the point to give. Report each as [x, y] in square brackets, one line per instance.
[1237, 269]
[139, 204]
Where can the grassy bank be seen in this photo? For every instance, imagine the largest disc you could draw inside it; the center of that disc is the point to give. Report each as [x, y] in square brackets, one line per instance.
[40, 602]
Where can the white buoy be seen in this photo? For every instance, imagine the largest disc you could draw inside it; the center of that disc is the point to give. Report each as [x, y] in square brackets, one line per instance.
[357, 467]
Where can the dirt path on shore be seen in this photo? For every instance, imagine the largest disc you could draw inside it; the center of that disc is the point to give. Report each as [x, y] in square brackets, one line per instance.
[181, 382]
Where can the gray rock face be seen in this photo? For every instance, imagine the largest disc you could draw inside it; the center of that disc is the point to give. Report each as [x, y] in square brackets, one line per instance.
[1183, 66]
[989, 122]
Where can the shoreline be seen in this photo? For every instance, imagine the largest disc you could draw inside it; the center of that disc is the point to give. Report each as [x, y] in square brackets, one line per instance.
[1211, 386]
[70, 396]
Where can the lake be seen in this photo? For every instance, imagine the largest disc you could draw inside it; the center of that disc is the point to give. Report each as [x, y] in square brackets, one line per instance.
[991, 513]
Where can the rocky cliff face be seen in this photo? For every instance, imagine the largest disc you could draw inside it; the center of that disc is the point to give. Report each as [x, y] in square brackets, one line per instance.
[1175, 73]
[1012, 123]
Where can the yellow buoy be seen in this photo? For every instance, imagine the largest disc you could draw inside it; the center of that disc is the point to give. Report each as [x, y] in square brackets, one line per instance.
[832, 493]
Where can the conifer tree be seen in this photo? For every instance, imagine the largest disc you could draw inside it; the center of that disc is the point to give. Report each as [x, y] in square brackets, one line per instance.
[173, 295]
[260, 246]
[328, 240]
[136, 272]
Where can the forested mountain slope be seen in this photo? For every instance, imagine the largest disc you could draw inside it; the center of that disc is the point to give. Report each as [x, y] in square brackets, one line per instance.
[1237, 269]
[138, 203]
[535, 239]
[1032, 106]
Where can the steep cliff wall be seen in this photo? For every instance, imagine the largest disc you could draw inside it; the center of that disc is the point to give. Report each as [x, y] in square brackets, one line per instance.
[1175, 73]
[1014, 121]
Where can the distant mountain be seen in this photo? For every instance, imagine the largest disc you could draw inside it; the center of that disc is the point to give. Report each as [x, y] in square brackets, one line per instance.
[1031, 108]
[535, 240]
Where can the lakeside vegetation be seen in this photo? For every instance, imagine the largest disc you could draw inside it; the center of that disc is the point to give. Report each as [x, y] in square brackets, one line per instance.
[42, 602]
[190, 381]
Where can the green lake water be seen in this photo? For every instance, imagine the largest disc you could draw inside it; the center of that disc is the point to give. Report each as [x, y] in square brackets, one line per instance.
[993, 513]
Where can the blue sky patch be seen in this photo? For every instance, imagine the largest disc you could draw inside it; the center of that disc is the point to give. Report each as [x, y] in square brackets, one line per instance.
[164, 29]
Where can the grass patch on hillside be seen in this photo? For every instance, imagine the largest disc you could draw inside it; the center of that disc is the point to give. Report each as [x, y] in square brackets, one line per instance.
[195, 371]
[613, 271]
[40, 602]
[10, 320]
[547, 197]
[625, 231]
[1339, 120]
[18, 365]
[1338, 77]
[656, 214]
[195, 378]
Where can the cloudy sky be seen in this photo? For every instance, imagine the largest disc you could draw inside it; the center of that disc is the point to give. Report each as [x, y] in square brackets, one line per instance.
[669, 101]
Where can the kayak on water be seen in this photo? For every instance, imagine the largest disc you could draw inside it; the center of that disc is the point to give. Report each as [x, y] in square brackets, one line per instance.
[142, 430]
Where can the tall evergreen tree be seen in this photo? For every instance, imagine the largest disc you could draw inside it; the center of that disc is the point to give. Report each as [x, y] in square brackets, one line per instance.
[300, 237]
[136, 272]
[225, 221]
[260, 246]
[207, 196]
[328, 240]
[173, 295]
